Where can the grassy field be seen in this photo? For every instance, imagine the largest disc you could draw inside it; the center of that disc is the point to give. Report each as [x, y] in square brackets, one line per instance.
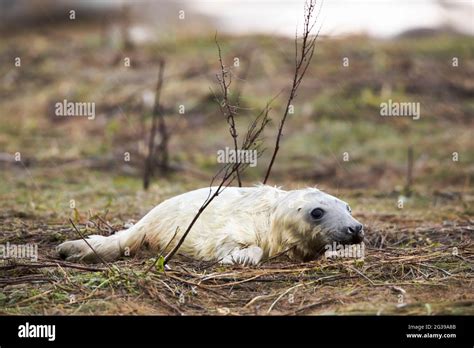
[418, 257]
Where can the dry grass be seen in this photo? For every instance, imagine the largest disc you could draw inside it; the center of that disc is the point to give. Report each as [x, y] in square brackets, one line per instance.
[405, 271]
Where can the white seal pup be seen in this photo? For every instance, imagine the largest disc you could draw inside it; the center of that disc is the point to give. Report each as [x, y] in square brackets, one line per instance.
[241, 225]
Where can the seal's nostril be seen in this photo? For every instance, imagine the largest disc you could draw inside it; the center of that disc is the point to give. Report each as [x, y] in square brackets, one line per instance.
[351, 230]
[356, 231]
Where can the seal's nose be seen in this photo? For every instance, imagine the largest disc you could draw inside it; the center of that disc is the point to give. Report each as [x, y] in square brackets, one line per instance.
[356, 232]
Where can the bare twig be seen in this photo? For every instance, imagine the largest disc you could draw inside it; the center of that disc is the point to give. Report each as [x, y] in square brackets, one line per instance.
[295, 287]
[362, 274]
[160, 254]
[56, 263]
[90, 246]
[156, 121]
[278, 255]
[250, 141]
[303, 56]
[311, 305]
[227, 109]
[229, 171]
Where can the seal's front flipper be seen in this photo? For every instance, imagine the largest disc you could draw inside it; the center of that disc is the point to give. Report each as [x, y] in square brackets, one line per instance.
[248, 256]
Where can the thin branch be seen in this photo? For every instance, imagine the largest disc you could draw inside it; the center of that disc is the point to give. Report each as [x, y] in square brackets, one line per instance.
[303, 57]
[90, 246]
[227, 109]
[160, 254]
[229, 170]
[148, 172]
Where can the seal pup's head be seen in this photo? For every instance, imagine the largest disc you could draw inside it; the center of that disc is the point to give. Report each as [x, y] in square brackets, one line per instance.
[312, 219]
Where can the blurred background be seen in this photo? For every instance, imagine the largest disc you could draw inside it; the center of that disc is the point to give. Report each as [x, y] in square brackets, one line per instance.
[368, 52]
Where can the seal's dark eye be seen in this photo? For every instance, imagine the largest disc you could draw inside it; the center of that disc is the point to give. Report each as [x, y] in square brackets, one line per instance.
[349, 210]
[317, 213]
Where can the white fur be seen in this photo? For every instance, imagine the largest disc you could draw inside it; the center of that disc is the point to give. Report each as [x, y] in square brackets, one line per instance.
[241, 225]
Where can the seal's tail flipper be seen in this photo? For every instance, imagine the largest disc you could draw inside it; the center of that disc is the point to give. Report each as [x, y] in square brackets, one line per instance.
[97, 248]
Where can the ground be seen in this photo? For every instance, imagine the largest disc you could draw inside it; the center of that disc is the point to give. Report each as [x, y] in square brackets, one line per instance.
[419, 251]
[417, 261]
